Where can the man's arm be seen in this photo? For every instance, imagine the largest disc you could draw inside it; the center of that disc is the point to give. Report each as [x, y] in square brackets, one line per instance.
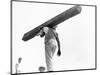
[58, 42]
[41, 33]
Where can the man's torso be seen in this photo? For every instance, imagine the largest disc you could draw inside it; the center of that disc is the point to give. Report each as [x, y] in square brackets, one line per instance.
[50, 37]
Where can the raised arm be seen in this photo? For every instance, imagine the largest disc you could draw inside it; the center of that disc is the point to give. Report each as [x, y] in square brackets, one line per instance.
[41, 33]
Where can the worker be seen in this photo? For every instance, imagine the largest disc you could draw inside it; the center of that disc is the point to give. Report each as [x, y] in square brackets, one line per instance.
[51, 44]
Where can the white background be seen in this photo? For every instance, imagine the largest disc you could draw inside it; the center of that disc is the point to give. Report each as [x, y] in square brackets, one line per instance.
[77, 37]
[5, 36]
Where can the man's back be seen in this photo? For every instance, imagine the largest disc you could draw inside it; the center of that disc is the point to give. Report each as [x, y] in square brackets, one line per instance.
[50, 35]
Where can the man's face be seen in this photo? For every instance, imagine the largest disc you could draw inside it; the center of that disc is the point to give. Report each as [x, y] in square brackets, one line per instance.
[46, 29]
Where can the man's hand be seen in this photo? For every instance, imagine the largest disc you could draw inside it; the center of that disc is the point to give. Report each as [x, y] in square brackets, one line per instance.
[40, 33]
[59, 53]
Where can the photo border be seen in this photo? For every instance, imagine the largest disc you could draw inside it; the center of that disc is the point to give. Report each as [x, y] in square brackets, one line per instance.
[11, 39]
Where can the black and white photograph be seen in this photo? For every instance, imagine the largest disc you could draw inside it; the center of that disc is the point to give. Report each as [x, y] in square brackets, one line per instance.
[51, 37]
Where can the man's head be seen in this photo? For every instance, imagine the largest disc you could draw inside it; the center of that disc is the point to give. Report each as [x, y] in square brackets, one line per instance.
[41, 69]
[45, 29]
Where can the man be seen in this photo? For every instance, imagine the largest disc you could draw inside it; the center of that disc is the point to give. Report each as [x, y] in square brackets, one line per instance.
[51, 43]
